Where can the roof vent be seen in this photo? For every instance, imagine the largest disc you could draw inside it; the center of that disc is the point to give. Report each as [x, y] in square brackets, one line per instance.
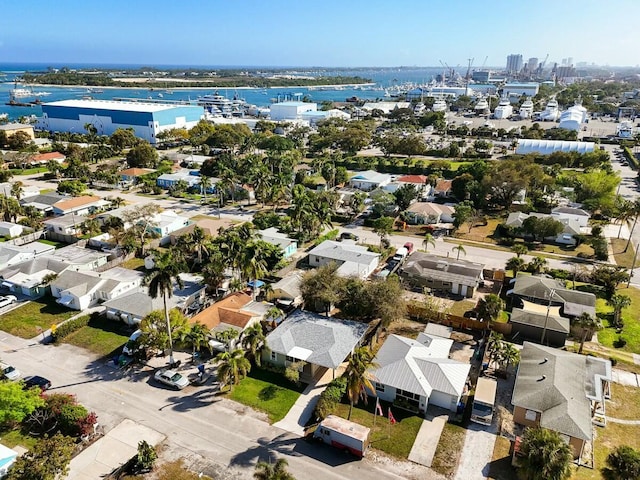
[544, 361]
[543, 377]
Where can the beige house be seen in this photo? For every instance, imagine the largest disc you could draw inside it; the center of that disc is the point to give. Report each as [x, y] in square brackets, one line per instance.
[12, 128]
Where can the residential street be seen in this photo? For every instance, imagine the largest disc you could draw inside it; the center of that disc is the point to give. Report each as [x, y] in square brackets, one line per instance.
[215, 434]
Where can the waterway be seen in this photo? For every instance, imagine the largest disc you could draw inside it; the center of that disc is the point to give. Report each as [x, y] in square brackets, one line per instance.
[383, 78]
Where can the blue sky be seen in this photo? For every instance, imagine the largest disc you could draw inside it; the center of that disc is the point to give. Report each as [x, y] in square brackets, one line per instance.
[318, 32]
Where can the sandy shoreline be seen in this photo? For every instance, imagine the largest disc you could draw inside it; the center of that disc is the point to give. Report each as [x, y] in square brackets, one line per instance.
[212, 87]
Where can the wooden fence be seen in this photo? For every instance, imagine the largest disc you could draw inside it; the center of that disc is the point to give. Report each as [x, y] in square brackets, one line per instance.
[423, 315]
[28, 238]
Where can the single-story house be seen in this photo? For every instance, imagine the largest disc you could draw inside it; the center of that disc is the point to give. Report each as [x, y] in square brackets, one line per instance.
[548, 291]
[167, 222]
[566, 237]
[83, 205]
[44, 158]
[12, 128]
[28, 277]
[561, 391]
[443, 188]
[27, 190]
[80, 258]
[168, 180]
[210, 226]
[65, 224]
[131, 308]
[578, 215]
[351, 259]
[43, 202]
[286, 292]
[422, 213]
[10, 230]
[460, 277]
[415, 373]
[15, 254]
[314, 339]
[532, 322]
[132, 175]
[369, 180]
[289, 246]
[227, 312]
[81, 290]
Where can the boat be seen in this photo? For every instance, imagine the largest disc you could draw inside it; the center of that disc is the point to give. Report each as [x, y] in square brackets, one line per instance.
[551, 112]
[440, 105]
[504, 109]
[217, 104]
[526, 109]
[160, 95]
[94, 90]
[482, 106]
[21, 93]
[419, 108]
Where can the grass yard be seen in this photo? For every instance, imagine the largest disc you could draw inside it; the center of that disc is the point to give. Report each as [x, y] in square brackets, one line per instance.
[480, 233]
[395, 440]
[12, 437]
[23, 321]
[134, 263]
[624, 259]
[101, 336]
[28, 171]
[267, 392]
[631, 318]
[624, 403]
[500, 467]
[458, 308]
[447, 456]
[53, 243]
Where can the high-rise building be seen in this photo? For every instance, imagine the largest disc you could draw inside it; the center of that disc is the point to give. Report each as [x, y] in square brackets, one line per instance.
[532, 64]
[514, 63]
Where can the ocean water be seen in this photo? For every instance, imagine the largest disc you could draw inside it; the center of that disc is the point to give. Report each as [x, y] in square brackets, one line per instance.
[383, 78]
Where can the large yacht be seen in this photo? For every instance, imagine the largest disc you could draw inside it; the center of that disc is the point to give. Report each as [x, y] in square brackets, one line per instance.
[440, 105]
[482, 107]
[551, 112]
[526, 109]
[217, 104]
[504, 109]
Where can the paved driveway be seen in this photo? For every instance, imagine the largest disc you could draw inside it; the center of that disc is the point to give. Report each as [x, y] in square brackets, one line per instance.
[476, 452]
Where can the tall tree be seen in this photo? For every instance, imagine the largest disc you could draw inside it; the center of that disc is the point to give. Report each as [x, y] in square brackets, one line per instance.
[197, 335]
[358, 376]
[489, 307]
[272, 471]
[253, 340]
[618, 302]
[232, 367]
[624, 463]
[16, 403]
[48, 459]
[160, 281]
[515, 264]
[429, 240]
[588, 324]
[519, 249]
[383, 226]
[545, 456]
[321, 288]
[459, 249]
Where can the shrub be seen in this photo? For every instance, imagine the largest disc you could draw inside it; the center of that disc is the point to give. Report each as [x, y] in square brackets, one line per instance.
[330, 235]
[146, 457]
[69, 327]
[70, 418]
[614, 361]
[330, 397]
[620, 342]
[292, 372]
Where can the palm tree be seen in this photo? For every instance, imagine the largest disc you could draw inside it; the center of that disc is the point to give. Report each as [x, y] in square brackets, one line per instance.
[236, 285]
[490, 307]
[536, 265]
[460, 250]
[213, 273]
[17, 190]
[232, 367]
[625, 212]
[519, 249]
[253, 340]
[515, 264]
[358, 376]
[618, 301]
[495, 346]
[254, 264]
[273, 314]
[272, 471]
[428, 240]
[116, 202]
[197, 336]
[205, 185]
[510, 355]
[161, 281]
[588, 324]
[198, 242]
[545, 456]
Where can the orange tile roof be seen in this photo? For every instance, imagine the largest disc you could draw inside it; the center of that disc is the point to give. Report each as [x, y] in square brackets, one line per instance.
[76, 202]
[226, 310]
[135, 172]
[443, 185]
[45, 157]
[414, 179]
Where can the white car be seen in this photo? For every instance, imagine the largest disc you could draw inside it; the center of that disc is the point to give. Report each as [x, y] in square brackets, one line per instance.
[171, 378]
[9, 372]
[7, 300]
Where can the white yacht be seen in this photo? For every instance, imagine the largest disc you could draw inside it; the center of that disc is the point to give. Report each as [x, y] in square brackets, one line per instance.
[21, 93]
[526, 109]
[551, 112]
[440, 105]
[217, 104]
[504, 109]
[482, 107]
[419, 108]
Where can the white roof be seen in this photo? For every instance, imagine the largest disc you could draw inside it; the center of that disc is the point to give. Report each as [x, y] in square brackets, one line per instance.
[344, 252]
[115, 105]
[546, 147]
[371, 176]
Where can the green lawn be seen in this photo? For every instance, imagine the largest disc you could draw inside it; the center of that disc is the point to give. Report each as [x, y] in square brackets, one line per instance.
[42, 313]
[28, 171]
[624, 259]
[267, 392]
[53, 242]
[447, 456]
[101, 336]
[631, 318]
[134, 263]
[396, 440]
[458, 308]
[12, 437]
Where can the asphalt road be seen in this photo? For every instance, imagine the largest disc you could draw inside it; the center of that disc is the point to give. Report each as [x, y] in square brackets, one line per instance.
[222, 435]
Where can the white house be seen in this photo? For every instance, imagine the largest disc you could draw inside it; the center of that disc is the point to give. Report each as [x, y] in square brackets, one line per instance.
[566, 237]
[369, 180]
[415, 373]
[422, 213]
[578, 215]
[81, 290]
[286, 291]
[351, 259]
[65, 225]
[27, 190]
[15, 254]
[10, 230]
[273, 236]
[27, 278]
[168, 180]
[80, 258]
[167, 222]
[84, 205]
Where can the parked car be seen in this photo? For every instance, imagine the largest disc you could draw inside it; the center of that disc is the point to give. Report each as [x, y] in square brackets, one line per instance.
[171, 378]
[37, 381]
[409, 247]
[348, 236]
[7, 300]
[9, 372]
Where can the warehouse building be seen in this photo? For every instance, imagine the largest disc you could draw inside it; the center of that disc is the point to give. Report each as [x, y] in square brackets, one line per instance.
[547, 147]
[147, 119]
[291, 110]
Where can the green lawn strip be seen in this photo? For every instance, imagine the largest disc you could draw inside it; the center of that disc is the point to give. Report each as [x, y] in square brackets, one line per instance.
[500, 467]
[267, 392]
[134, 263]
[101, 336]
[23, 321]
[395, 440]
[630, 317]
[53, 243]
[447, 456]
[458, 308]
[624, 259]
[28, 171]
[624, 403]
[12, 437]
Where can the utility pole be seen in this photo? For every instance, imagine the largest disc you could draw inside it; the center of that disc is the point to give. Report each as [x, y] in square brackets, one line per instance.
[552, 292]
[633, 264]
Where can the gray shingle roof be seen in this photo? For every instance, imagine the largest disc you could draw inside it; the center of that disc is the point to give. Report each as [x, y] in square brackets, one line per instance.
[539, 287]
[418, 368]
[441, 268]
[555, 383]
[558, 324]
[328, 341]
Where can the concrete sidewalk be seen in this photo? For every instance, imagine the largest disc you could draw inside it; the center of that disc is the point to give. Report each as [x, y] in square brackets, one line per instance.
[426, 442]
[112, 450]
[301, 411]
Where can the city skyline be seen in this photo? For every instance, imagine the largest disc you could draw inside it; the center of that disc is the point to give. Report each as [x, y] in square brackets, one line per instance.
[332, 34]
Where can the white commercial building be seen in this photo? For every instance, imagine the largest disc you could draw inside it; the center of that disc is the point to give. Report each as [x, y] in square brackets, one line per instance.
[547, 147]
[291, 110]
[528, 89]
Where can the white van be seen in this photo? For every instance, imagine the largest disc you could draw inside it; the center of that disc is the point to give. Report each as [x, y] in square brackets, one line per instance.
[484, 401]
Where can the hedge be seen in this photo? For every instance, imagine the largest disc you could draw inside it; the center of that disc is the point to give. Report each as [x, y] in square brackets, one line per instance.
[330, 397]
[628, 153]
[69, 327]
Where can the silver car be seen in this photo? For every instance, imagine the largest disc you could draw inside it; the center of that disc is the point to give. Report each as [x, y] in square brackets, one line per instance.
[7, 300]
[9, 372]
[171, 378]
